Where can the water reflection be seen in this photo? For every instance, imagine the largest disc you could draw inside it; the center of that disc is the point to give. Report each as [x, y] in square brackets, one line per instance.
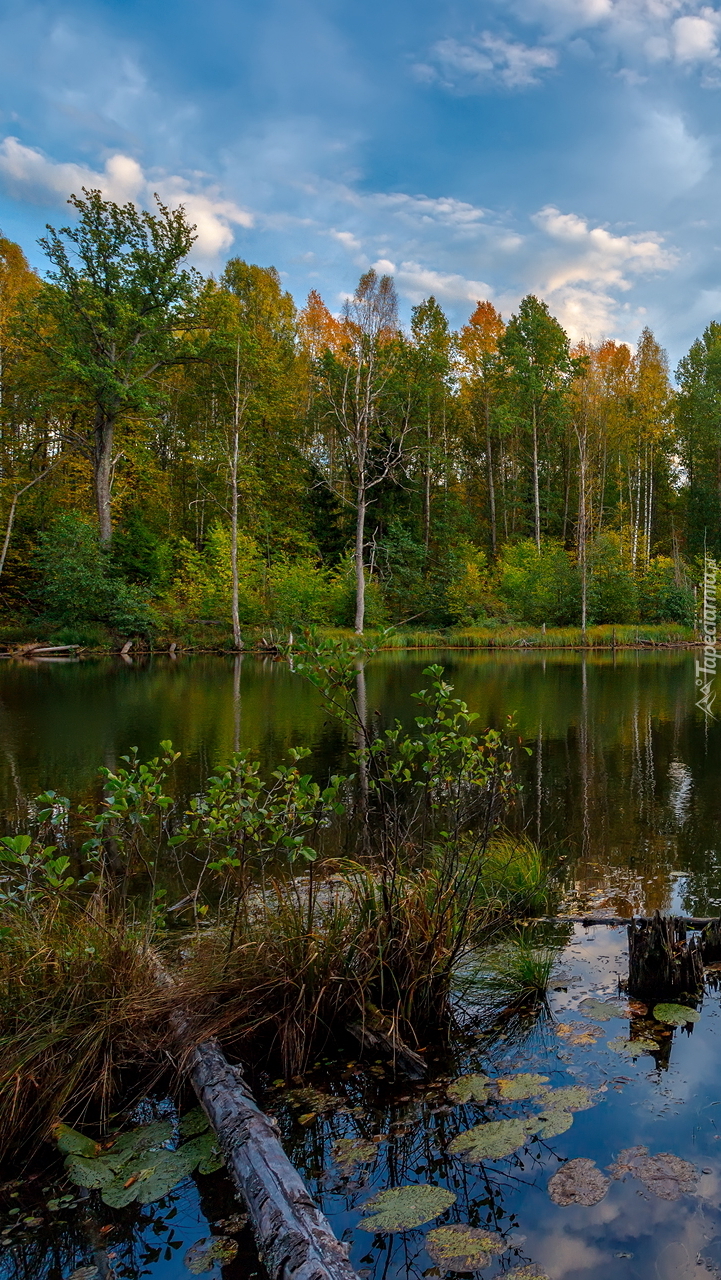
[622, 780]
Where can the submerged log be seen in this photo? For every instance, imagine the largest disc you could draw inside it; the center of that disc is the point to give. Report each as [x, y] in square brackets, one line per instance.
[390, 1046]
[661, 961]
[294, 1238]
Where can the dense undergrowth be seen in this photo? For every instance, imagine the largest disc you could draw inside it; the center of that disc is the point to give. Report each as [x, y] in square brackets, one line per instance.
[279, 944]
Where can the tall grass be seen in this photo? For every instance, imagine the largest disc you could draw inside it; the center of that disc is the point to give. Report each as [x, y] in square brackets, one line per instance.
[79, 1009]
[500, 636]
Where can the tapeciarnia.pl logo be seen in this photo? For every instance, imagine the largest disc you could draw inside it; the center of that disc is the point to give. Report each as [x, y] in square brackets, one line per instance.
[706, 669]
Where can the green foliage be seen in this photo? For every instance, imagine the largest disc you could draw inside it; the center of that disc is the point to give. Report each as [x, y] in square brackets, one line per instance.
[493, 1140]
[77, 582]
[402, 1208]
[665, 594]
[539, 586]
[612, 589]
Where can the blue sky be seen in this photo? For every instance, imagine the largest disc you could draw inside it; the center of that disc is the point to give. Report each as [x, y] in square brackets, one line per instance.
[482, 148]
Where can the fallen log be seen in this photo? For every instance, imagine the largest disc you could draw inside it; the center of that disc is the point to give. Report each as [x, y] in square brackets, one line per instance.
[294, 1238]
[690, 922]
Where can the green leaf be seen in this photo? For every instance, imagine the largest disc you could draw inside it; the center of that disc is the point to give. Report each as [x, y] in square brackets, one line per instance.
[402, 1208]
[74, 1143]
[524, 1085]
[574, 1097]
[348, 1152]
[459, 1247]
[554, 1122]
[193, 1122]
[204, 1255]
[490, 1141]
[89, 1173]
[677, 1015]
[117, 1195]
[144, 1138]
[601, 1010]
[471, 1088]
[174, 1167]
[632, 1048]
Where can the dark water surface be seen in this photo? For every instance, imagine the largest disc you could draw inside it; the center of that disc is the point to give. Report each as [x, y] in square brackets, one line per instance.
[624, 781]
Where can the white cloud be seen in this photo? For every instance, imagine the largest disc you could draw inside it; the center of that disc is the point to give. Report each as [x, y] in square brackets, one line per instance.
[31, 175]
[640, 32]
[416, 282]
[486, 60]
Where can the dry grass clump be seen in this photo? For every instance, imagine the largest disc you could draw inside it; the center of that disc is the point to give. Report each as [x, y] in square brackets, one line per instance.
[79, 1008]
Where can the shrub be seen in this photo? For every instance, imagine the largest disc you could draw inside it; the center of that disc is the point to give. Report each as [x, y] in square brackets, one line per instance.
[539, 586]
[612, 589]
[300, 592]
[77, 581]
[665, 595]
[469, 591]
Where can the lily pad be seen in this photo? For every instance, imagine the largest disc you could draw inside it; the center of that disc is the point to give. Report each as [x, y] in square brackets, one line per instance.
[459, 1247]
[529, 1272]
[525, 1085]
[73, 1143]
[551, 1123]
[88, 1173]
[471, 1088]
[578, 1182]
[170, 1170]
[193, 1122]
[601, 1010]
[632, 1048]
[84, 1273]
[490, 1141]
[120, 1192]
[145, 1138]
[402, 1208]
[204, 1254]
[204, 1152]
[574, 1097]
[666, 1175]
[579, 1032]
[675, 1014]
[348, 1152]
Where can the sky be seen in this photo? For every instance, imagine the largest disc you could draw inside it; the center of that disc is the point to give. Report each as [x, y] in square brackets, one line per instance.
[474, 149]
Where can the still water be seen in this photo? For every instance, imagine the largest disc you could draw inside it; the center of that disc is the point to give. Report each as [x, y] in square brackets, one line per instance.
[623, 789]
[623, 779]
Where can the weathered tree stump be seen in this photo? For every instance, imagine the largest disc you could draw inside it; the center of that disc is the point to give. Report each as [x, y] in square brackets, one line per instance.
[711, 942]
[661, 961]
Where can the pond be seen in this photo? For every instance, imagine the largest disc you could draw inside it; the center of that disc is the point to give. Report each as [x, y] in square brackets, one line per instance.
[622, 789]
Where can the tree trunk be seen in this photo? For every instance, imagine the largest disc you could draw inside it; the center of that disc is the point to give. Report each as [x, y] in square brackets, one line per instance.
[491, 487]
[661, 962]
[360, 582]
[536, 499]
[237, 638]
[102, 471]
[427, 489]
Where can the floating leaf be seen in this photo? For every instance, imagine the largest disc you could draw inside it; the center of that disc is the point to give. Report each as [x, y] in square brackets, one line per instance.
[193, 1122]
[602, 1010]
[73, 1143]
[675, 1014]
[88, 1173]
[84, 1273]
[529, 1272]
[578, 1182]
[553, 1122]
[462, 1248]
[579, 1032]
[471, 1088]
[490, 1141]
[144, 1138]
[350, 1151]
[632, 1048]
[308, 1118]
[401, 1208]
[234, 1224]
[118, 1193]
[574, 1097]
[212, 1162]
[525, 1085]
[666, 1175]
[172, 1169]
[312, 1100]
[204, 1254]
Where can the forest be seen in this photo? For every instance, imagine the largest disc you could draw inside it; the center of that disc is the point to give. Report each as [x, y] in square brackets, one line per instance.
[194, 457]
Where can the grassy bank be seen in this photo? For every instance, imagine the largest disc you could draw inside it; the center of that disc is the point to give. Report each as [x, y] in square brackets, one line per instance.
[218, 638]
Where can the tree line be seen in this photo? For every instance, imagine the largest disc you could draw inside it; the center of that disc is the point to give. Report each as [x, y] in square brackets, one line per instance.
[179, 450]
